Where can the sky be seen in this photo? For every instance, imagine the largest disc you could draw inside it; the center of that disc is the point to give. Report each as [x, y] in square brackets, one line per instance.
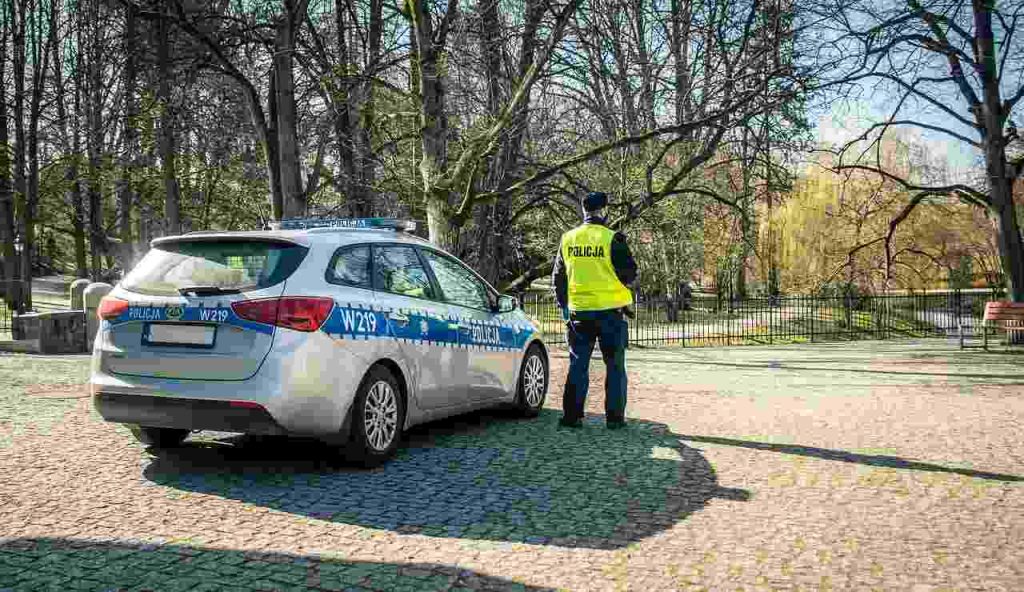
[848, 119]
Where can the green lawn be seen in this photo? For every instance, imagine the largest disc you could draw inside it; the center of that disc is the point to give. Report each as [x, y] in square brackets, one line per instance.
[18, 410]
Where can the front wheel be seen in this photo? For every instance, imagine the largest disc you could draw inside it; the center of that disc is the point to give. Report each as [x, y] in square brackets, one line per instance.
[159, 437]
[533, 382]
[377, 416]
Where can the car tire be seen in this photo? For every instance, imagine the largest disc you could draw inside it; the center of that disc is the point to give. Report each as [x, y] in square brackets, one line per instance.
[378, 414]
[159, 437]
[532, 387]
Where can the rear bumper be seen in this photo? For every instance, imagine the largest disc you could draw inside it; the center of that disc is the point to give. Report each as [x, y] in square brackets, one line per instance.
[304, 385]
[191, 414]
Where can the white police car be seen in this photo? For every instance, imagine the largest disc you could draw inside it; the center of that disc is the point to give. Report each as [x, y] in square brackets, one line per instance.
[345, 329]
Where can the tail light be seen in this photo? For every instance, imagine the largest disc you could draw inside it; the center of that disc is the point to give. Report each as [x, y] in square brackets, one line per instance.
[301, 313]
[111, 308]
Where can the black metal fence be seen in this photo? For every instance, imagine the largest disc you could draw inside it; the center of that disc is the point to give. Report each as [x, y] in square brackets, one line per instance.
[708, 320]
[5, 320]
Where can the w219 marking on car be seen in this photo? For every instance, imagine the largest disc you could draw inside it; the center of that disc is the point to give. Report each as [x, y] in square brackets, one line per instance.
[358, 321]
[213, 314]
[258, 340]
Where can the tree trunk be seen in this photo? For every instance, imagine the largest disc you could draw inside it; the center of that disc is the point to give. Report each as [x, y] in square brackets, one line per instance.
[746, 203]
[266, 131]
[487, 258]
[1011, 249]
[343, 121]
[1000, 182]
[681, 18]
[7, 213]
[492, 221]
[125, 191]
[20, 189]
[94, 142]
[69, 144]
[433, 126]
[168, 164]
[71, 173]
[287, 115]
[364, 113]
[40, 63]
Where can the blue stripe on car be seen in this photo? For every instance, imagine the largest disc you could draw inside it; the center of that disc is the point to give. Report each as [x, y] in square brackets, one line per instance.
[354, 322]
[220, 315]
[363, 323]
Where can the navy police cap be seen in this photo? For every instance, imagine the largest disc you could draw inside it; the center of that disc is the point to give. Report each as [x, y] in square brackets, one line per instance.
[595, 200]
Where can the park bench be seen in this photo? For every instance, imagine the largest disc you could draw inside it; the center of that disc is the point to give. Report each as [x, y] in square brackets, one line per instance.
[1006, 315]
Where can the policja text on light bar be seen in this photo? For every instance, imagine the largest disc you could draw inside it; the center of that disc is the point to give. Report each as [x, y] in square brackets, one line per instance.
[374, 223]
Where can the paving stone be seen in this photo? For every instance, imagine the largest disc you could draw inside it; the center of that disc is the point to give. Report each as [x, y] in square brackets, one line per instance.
[848, 467]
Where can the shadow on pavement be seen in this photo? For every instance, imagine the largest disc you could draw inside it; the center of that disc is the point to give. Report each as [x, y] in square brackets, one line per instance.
[479, 476]
[33, 564]
[875, 460]
[776, 365]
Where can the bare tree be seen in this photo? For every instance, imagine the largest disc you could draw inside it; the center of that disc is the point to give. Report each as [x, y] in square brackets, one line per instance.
[732, 77]
[447, 187]
[275, 121]
[952, 69]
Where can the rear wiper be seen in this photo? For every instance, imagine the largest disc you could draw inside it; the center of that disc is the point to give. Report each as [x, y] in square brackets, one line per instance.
[207, 291]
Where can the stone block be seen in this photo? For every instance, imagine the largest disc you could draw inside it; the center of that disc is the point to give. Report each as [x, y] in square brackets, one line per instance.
[25, 326]
[78, 293]
[60, 332]
[91, 298]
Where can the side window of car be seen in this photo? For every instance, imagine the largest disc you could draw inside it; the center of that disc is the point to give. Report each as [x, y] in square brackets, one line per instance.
[350, 266]
[398, 269]
[458, 284]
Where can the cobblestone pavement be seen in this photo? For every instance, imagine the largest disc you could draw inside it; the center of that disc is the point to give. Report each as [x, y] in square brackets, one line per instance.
[888, 466]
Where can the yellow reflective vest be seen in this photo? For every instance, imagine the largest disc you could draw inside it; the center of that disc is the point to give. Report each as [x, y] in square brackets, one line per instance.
[593, 285]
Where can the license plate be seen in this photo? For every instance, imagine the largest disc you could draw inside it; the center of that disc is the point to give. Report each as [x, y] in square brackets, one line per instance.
[179, 334]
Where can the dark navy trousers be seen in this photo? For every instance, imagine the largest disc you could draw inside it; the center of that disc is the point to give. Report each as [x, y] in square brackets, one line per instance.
[609, 327]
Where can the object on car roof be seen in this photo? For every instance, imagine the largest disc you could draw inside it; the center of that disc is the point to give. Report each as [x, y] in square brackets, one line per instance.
[372, 223]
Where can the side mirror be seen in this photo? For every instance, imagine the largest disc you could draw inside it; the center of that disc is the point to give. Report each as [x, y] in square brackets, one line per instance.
[507, 303]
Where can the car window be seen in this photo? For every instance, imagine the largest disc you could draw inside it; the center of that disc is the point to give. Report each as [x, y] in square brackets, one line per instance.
[350, 266]
[228, 264]
[458, 284]
[397, 269]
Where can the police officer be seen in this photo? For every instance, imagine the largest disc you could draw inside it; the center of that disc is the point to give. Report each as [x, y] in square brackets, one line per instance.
[593, 270]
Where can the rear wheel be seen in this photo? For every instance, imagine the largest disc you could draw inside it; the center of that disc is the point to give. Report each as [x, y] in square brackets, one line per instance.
[159, 437]
[533, 382]
[377, 417]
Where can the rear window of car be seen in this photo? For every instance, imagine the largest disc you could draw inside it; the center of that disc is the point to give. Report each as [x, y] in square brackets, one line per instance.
[227, 266]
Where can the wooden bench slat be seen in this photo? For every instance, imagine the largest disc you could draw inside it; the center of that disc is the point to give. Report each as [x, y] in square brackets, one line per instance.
[1004, 310]
[1005, 317]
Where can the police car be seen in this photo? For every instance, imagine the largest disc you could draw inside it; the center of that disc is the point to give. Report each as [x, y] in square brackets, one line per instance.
[350, 330]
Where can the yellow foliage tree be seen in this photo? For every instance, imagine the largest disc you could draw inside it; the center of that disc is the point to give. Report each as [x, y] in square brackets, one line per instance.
[833, 229]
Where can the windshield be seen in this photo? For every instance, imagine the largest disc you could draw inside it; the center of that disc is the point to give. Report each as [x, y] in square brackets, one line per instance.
[223, 266]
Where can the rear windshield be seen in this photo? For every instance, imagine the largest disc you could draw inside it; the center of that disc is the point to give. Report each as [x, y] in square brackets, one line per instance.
[230, 266]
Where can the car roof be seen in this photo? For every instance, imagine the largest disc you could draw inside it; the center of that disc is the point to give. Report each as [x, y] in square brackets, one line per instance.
[305, 237]
[308, 237]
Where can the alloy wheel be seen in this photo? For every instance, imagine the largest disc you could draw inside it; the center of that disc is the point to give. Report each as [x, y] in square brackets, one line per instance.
[380, 415]
[534, 380]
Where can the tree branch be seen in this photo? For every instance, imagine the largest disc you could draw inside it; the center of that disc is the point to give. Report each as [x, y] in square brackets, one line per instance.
[933, 128]
[956, 190]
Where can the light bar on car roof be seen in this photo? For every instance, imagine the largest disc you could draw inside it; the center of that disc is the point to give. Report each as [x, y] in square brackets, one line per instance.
[375, 223]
